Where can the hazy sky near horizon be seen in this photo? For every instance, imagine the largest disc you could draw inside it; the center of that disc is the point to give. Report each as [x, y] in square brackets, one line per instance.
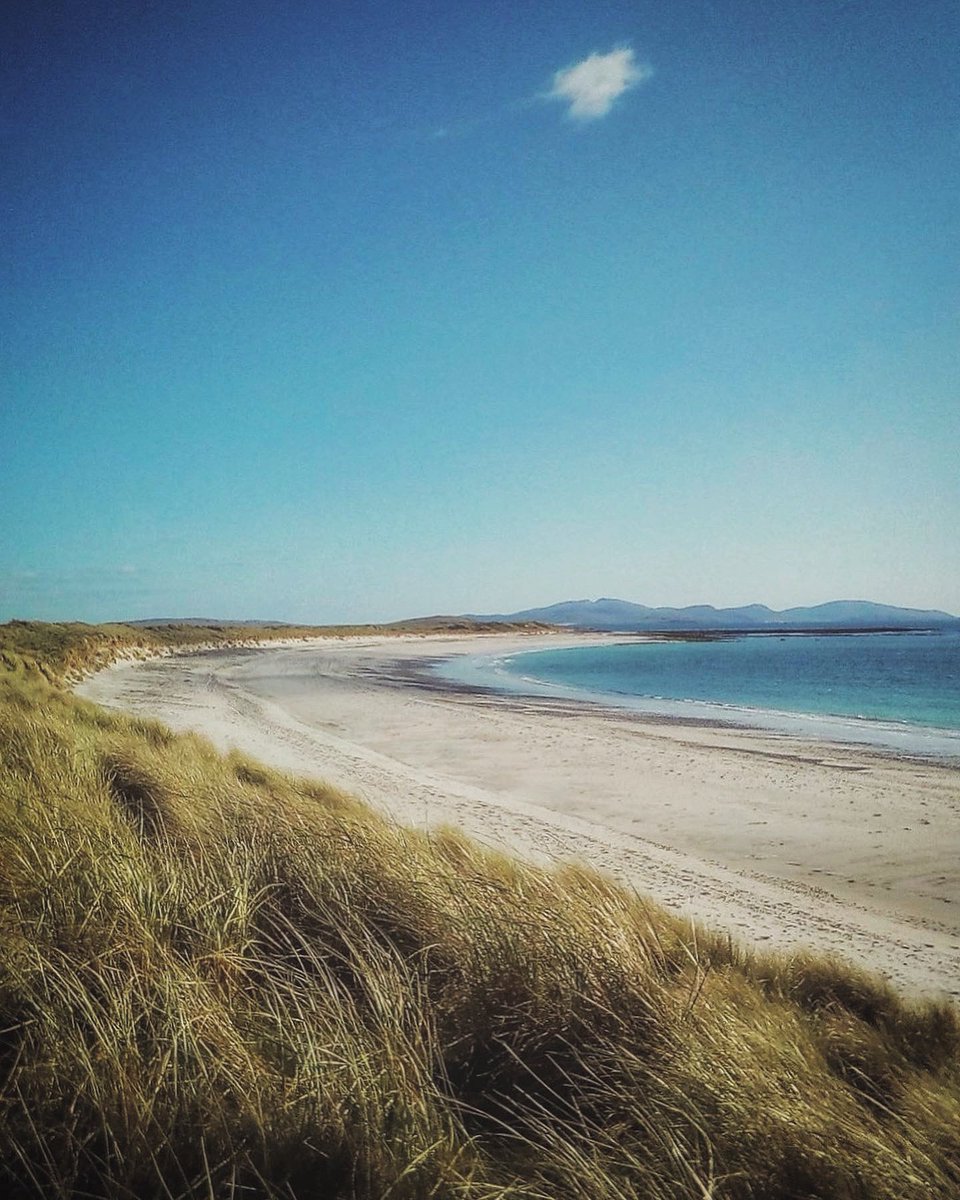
[356, 311]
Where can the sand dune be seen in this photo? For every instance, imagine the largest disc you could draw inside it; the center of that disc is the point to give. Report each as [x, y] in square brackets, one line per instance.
[781, 841]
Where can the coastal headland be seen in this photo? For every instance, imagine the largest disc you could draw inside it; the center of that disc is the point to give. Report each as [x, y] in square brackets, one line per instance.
[782, 842]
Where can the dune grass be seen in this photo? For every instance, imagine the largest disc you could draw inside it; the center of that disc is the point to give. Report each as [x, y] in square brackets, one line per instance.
[216, 980]
[64, 652]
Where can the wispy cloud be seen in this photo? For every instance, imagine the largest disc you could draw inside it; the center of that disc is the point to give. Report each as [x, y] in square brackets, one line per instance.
[592, 85]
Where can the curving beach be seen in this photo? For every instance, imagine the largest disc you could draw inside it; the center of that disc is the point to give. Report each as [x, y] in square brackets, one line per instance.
[782, 841]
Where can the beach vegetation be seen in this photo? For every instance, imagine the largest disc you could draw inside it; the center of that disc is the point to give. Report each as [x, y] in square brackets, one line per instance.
[217, 980]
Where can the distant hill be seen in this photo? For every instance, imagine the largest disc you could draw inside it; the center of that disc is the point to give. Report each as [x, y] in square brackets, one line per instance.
[435, 624]
[153, 622]
[624, 616]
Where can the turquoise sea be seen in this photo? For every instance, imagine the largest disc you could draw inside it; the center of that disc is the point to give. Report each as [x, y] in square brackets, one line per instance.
[896, 691]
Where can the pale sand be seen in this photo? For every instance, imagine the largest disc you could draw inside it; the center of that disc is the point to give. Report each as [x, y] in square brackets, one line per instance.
[782, 842]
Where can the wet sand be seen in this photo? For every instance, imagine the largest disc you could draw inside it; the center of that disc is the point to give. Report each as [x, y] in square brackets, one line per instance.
[781, 841]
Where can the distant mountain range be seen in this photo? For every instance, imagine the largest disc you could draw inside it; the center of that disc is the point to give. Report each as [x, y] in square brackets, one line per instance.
[623, 616]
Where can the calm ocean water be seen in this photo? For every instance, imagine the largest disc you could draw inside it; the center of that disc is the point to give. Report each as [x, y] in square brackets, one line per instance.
[899, 691]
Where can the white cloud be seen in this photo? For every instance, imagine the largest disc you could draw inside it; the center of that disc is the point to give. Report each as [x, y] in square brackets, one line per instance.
[591, 86]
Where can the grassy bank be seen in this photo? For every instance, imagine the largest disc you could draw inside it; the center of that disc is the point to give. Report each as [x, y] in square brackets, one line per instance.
[218, 981]
[63, 653]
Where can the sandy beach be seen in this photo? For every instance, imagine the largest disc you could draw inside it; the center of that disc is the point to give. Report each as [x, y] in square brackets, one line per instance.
[780, 841]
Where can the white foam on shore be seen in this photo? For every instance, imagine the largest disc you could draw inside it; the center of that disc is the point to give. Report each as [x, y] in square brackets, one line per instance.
[902, 738]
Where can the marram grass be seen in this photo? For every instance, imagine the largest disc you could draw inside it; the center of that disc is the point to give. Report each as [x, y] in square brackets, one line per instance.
[217, 981]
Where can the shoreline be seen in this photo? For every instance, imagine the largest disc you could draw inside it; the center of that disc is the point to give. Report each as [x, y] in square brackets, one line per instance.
[887, 734]
[780, 840]
[421, 673]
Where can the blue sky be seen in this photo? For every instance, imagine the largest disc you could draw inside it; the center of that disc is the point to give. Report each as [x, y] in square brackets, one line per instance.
[357, 311]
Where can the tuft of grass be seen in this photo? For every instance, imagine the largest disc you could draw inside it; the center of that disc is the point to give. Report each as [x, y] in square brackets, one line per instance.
[217, 980]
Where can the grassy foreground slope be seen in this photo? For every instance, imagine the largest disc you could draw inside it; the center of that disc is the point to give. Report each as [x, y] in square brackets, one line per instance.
[219, 981]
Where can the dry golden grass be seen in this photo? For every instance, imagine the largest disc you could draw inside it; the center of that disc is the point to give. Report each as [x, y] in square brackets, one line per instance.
[63, 653]
[219, 981]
